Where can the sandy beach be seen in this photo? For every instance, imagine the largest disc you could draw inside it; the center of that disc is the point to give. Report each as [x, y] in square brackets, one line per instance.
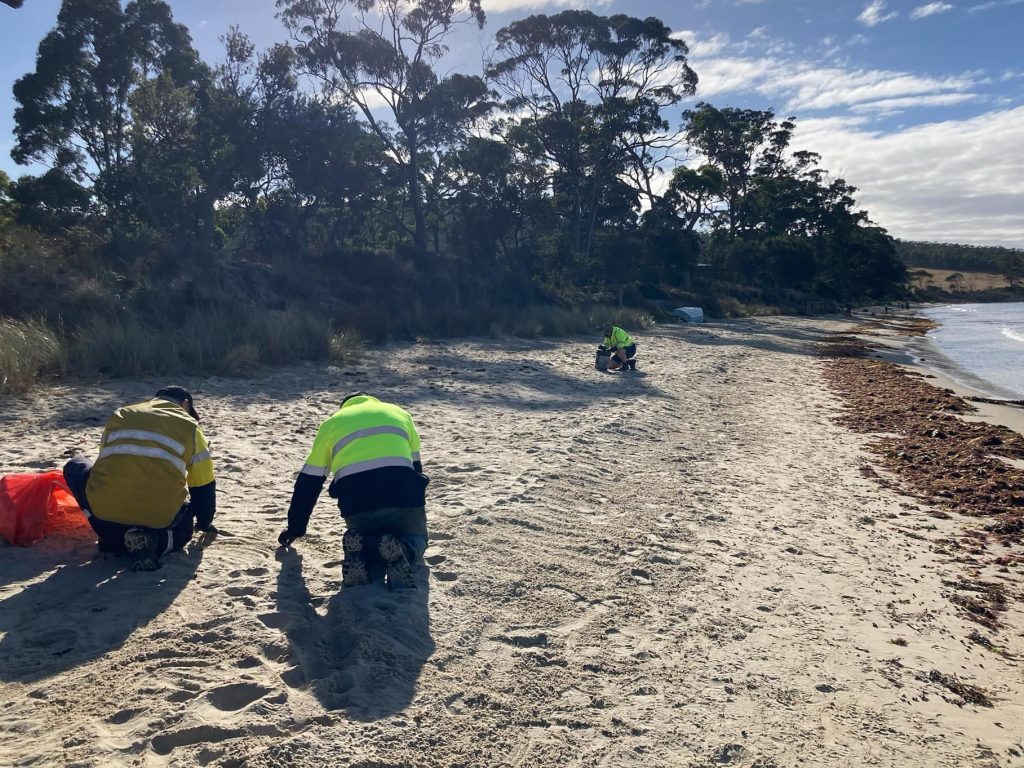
[687, 566]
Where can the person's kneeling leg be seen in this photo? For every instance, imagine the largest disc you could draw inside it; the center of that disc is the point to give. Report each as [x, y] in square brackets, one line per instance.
[76, 475]
[180, 532]
[400, 553]
[355, 570]
[110, 535]
[145, 546]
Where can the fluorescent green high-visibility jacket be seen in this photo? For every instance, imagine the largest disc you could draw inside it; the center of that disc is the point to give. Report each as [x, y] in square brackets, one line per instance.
[618, 340]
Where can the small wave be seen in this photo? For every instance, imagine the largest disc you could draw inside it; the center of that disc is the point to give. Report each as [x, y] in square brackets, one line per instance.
[1010, 333]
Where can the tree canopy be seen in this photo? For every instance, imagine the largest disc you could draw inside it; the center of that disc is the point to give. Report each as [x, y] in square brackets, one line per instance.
[575, 165]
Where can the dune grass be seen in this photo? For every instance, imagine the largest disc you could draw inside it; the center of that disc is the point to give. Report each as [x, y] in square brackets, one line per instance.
[28, 350]
[233, 342]
[241, 341]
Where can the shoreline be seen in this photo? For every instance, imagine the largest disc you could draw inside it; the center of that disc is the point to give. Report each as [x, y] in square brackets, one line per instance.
[935, 441]
[905, 351]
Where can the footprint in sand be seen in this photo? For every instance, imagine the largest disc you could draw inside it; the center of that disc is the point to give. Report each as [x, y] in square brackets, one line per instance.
[276, 652]
[123, 716]
[241, 591]
[273, 620]
[230, 698]
[165, 743]
[294, 677]
[445, 575]
[435, 559]
[537, 640]
[641, 576]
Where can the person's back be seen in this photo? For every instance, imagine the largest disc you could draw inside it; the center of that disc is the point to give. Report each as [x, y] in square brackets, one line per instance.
[374, 456]
[152, 484]
[372, 449]
[141, 474]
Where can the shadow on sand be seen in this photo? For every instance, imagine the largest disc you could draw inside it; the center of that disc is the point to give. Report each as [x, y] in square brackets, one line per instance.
[85, 608]
[762, 334]
[363, 655]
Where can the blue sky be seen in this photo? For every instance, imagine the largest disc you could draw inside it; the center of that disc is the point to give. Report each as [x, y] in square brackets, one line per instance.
[919, 104]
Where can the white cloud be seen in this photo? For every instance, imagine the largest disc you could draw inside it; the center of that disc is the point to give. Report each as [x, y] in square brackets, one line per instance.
[874, 14]
[893, 106]
[701, 47]
[993, 4]
[954, 181]
[805, 85]
[958, 180]
[930, 9]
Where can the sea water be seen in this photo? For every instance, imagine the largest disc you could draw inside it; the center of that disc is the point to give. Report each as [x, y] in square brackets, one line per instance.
[981, 346]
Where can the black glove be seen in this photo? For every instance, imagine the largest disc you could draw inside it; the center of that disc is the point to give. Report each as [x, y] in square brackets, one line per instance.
[207, 536]
[286, 538]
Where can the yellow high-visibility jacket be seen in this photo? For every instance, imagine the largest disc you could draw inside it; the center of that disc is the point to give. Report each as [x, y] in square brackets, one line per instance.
[151, 453]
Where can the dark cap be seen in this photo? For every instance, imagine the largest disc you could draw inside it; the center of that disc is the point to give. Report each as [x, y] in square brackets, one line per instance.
[352, 396]
[178, 395]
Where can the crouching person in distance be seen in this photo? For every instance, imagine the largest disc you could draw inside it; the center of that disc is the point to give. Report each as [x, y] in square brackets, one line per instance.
[373, 451]
[622, 348]
[152, 484]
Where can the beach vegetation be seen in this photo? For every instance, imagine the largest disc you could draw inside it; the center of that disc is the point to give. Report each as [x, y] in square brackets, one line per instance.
[222, 216]
[28, 350]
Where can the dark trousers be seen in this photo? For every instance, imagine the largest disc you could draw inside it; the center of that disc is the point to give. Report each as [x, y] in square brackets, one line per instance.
[624, 353]
[407, 524]
[111, 535]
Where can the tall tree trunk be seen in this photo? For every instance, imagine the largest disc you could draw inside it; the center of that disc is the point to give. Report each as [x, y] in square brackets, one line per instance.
[420, 219]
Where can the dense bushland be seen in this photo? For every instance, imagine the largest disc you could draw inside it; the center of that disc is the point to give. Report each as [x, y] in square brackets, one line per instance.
[1008, 262]
[276, 205]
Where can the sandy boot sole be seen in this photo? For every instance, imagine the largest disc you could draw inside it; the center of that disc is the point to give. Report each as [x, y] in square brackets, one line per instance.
[142, 548]
[399, 572]
[354, 572]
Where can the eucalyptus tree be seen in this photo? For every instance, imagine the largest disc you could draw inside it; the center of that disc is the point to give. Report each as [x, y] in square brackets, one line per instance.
[384, 60]
[694, 196]
[585, 93]
[74, 110]
[740, 144]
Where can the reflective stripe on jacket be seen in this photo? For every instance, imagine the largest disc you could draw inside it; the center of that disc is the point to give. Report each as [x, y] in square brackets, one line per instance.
[373, 450]
[150, 454]
[363, 435]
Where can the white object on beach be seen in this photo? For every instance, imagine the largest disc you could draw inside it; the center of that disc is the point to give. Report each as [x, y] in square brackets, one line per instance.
[689, 314]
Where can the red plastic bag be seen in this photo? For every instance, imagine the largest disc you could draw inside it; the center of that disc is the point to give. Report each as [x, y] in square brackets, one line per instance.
[32, 504]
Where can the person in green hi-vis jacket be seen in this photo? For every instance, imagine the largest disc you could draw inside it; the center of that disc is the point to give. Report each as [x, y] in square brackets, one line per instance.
[622, 347]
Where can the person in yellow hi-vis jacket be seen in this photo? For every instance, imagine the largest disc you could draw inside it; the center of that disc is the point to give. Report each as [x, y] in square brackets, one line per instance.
[152, 485]
[622, 347]
[373, 451]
